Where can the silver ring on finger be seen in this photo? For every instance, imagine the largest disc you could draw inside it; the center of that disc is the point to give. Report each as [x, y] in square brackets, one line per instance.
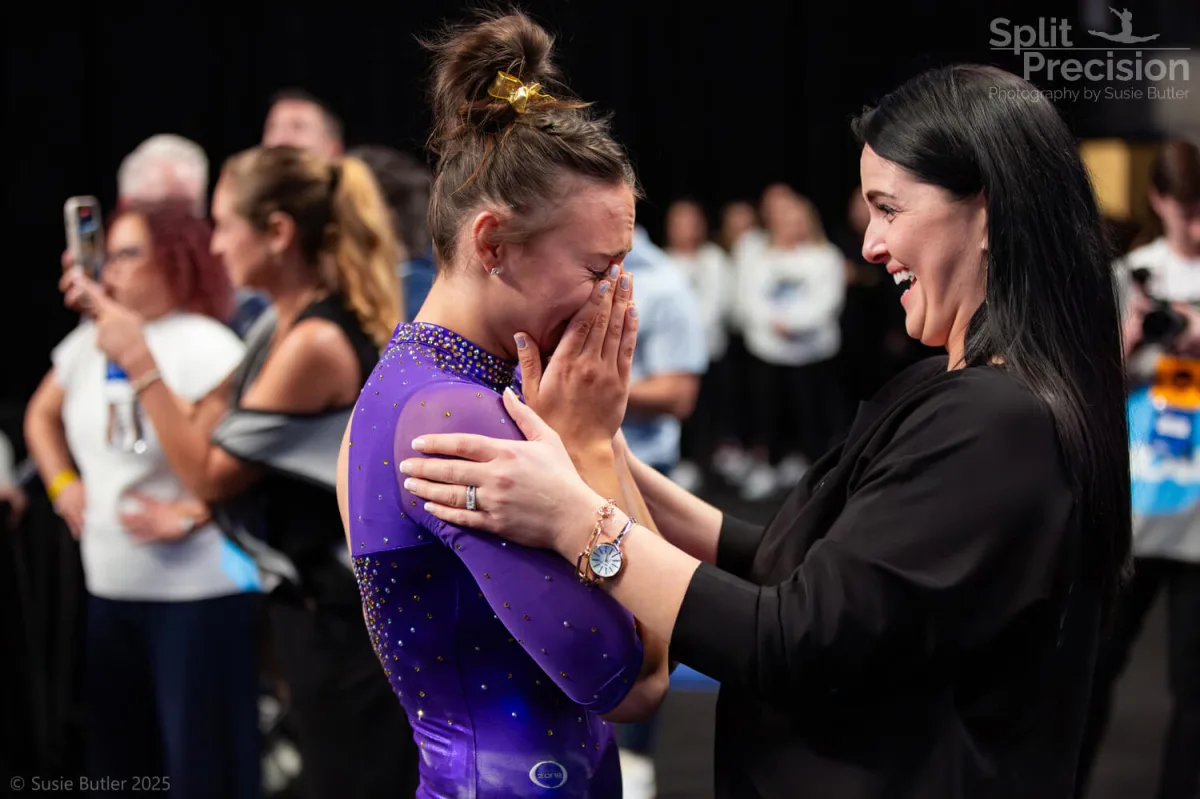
[472, 498]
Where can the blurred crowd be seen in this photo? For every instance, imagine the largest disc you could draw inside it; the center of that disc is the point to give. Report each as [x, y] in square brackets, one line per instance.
[762, 328]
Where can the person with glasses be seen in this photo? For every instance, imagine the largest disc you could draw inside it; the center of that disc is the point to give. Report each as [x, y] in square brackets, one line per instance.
[170, 670]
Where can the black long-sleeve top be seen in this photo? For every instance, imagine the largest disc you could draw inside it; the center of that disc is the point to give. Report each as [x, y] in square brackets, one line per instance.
[914, 621]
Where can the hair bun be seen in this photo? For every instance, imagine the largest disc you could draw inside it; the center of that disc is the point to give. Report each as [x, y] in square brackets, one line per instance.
[467, 59]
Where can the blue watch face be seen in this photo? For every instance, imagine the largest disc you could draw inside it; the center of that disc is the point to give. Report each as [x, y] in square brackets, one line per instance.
[605, 561]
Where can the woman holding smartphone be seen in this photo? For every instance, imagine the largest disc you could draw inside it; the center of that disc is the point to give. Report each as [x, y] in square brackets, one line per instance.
[171, 665]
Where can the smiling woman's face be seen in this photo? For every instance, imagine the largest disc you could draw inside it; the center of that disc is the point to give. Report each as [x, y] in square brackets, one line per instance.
[934, 241]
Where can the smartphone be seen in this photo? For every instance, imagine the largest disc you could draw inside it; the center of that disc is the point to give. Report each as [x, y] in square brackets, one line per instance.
[85, 234]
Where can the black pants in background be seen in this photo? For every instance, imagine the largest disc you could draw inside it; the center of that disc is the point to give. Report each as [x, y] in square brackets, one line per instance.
[171, 697]
[796, 409]
[735, 421]
[1180, 770]
[702, 431]
[354, 738]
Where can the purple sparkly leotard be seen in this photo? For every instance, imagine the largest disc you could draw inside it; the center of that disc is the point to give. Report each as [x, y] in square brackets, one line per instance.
[498, 653]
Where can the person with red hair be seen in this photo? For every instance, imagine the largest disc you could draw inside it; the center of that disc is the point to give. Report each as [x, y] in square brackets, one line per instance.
[170, 674]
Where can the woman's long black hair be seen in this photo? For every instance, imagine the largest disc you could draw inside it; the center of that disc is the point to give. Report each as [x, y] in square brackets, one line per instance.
[1050, 309]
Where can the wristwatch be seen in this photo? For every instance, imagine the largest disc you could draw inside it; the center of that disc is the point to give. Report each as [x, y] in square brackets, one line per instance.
[606, 560]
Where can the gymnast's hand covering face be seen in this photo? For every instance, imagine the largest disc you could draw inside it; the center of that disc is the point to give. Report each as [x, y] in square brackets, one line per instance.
[526, 488]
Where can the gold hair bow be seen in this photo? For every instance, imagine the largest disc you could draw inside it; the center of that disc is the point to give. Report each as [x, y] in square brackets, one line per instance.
[510, 89]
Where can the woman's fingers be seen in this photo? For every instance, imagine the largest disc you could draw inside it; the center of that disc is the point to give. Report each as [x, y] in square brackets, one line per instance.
[616, 320]
[68, 284]
[597, 328]
[577, 330]
[628, 343]
[442, 470]
[67, 281]
[452, 496]
[88, 294]
[530, 358]
[532, 426]
[74, 522]
[458, 445]
[474, 520]
[139, 525]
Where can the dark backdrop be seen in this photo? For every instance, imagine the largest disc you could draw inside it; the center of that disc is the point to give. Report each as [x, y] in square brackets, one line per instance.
[713, 99]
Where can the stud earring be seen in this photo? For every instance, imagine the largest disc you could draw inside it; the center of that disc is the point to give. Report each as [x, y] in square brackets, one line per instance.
[495, 270]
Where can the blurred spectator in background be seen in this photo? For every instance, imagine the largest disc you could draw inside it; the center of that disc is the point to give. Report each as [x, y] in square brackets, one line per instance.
[12, 497]
[299, 119]
[740, 233]
[1162, 330]
[671, 356]
[406, 183]
[296, 119]
[165, 167]
[792, 291]
[262, 450]
[170, 672]
[710, 274]
[737, 219]
[670, 359]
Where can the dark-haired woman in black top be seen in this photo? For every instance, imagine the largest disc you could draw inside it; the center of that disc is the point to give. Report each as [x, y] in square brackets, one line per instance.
[920, 617]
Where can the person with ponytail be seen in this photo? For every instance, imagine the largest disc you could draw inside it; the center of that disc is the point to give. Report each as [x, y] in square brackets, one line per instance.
[510, 667]
[920, 618]
[261, 449]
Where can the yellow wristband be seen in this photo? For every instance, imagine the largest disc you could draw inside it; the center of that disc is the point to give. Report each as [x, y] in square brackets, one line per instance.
[61, 481]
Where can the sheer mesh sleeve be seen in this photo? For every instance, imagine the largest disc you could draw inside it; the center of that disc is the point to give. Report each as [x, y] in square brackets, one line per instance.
[580, 636]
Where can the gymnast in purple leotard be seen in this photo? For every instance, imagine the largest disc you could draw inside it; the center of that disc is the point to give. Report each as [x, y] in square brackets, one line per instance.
[503, 659]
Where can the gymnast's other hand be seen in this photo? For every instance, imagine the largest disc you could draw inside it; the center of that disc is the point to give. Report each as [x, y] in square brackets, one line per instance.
[585, 387]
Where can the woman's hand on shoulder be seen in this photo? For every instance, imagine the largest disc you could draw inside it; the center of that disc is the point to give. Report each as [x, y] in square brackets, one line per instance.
[526, 491]
[584, 389]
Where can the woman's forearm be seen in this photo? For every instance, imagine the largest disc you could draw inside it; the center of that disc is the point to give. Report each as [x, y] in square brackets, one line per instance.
[631, 498]
[655, 648]
[597, 465]
[688, 522]
[45, 434]
[47, 441]
[186, 447]
[652, 582]
[185, 440]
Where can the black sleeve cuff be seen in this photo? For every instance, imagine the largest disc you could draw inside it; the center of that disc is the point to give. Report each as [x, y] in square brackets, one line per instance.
[716, 626]
[737, 545]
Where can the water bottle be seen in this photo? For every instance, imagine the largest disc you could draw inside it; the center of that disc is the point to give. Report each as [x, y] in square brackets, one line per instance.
[124, 419]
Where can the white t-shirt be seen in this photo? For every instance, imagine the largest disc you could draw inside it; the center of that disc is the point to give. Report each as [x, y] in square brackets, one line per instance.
[801, 290]
[1173, 277]
[194, 355]
[711, 275]
[7, 467]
